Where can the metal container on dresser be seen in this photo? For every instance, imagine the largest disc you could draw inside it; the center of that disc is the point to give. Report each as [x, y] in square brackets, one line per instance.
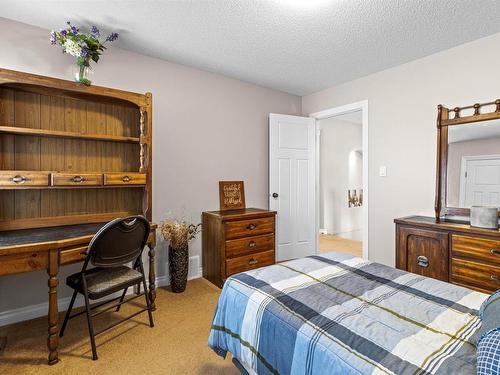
[236, 241]
[446, 246]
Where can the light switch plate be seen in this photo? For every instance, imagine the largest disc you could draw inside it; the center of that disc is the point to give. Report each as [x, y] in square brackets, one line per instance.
[382, 171]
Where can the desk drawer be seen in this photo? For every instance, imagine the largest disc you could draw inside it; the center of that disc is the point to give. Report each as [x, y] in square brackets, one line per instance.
[474, 248]
[243, 228]
[74, 255]
[472, 273]
[23, 178]
[23, 262]
[123, 178]
[249, 262]
[76, 179]
[249, 245]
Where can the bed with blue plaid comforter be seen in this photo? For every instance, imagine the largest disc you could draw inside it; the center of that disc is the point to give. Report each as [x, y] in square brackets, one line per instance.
[338, 314]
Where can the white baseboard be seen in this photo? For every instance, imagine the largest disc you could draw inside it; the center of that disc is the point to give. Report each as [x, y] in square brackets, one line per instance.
[35, 311]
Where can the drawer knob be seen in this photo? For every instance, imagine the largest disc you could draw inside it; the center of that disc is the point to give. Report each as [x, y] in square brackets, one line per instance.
[494, 277]
[423, 261]
[253, 261]
[495, 251]
[18, 179]
[126, 178]
[251, 226]
[252, 244]
[78, 179]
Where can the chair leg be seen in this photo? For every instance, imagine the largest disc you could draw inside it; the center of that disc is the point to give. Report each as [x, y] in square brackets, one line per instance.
[121, 299]
[68, 313]
[146, 295]
[90, 325]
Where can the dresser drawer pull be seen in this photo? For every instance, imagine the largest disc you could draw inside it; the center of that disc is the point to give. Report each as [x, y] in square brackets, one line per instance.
[252, 244]
[126, 178]
[78, 179]
[423, 261]
[495, 251]
[253, 261]
[494, 277]
[18, 179]
[251, 226]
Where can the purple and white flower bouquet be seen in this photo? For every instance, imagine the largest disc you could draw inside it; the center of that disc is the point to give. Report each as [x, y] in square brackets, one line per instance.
[84, 46]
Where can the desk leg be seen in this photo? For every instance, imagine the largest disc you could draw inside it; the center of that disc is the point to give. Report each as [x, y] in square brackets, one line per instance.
[152, 276]
[53, 338]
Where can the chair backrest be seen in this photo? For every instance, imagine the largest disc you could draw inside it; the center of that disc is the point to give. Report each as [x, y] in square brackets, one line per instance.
[118, 242]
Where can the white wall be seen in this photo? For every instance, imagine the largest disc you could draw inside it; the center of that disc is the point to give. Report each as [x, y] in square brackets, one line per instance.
[340, 170]
[402, 120]
[205, 128]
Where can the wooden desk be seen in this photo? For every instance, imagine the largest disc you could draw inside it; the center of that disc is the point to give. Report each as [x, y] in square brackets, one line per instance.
[49, 248]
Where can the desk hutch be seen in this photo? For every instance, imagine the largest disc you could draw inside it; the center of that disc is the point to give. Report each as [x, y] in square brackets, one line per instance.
[72, 157]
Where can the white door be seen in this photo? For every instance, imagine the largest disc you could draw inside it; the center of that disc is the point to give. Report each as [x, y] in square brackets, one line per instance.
[292, 184]
[480, 181]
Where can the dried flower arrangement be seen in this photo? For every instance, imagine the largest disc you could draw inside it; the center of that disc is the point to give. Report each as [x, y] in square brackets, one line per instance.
[179, 233]
[83, 46]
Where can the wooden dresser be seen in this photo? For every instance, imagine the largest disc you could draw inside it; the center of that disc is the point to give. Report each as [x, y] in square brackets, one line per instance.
[449, 251]
[236, 241]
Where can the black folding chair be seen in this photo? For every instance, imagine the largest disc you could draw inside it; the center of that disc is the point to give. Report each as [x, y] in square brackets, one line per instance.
[117, 243]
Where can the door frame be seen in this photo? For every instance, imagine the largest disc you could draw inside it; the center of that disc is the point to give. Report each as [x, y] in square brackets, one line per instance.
[333, 112]
[463, 168]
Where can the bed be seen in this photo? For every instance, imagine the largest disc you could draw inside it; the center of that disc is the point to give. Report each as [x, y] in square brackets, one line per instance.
[338, 314]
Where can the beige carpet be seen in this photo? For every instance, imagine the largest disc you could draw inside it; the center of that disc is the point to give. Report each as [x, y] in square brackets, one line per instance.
[176, 345]
[328, 243]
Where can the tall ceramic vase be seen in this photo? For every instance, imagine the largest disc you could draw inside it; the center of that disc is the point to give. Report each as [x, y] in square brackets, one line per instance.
[178, 260]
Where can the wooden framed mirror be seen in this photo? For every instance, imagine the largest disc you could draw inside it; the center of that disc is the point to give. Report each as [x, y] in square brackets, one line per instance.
[468, 158]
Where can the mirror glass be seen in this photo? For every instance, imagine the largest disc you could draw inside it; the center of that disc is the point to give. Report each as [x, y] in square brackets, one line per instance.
[473, 172]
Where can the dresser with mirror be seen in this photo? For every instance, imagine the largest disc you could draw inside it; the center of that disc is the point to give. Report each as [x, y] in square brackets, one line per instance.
[446, 246]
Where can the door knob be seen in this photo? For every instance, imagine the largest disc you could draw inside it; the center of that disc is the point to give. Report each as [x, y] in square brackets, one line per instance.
[275, 195]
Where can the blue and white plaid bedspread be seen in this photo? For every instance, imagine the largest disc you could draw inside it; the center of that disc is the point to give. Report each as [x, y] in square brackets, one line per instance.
[336, 314]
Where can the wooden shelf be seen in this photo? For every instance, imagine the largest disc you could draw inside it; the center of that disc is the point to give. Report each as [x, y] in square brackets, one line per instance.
[59, 87]
[64, 134]
[45, 222]
[67, 152]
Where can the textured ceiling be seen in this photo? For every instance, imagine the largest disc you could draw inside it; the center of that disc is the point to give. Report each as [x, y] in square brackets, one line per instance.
[297, 46]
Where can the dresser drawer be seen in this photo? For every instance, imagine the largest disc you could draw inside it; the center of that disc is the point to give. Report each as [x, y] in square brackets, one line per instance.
[23, 178]
[480, 249]
[242, 228]
[125, 178]
[472, 273]
[248, 245]
[249, 262]
[76, 179]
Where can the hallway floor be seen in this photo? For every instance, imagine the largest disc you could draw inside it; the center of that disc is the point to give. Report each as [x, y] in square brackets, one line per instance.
[330, 242]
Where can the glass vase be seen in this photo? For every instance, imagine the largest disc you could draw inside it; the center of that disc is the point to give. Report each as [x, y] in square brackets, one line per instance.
[82, 74]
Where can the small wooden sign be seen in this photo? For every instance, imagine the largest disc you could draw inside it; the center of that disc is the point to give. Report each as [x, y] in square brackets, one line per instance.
[231, 195]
